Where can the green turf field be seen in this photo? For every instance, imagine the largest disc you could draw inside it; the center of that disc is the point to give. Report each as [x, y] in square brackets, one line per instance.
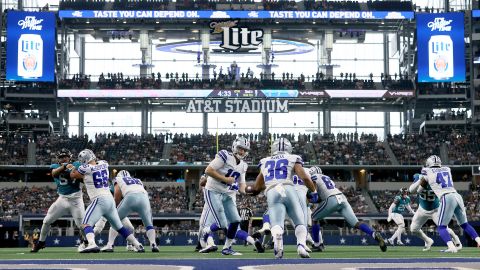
[186, 252]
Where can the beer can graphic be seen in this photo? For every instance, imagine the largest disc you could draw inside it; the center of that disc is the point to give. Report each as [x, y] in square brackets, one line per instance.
[440, 57]
[30, 56]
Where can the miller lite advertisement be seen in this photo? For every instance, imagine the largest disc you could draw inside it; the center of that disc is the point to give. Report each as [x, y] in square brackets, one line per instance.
[441, 47]
[31, 46]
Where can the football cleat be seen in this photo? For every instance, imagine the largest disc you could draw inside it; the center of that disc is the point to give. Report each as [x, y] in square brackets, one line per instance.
[198, 247]
[400, 243]
[390, 241]
[428, 244]
[230, 251]
[37, 246]
[155, 248]
[140, 249]
[381, 241]
[82, 246]
[130, 247]
[278, 253]
[450, 250]
[259, 247]
[209, 249]
[91, 248]
[319, 248]
[107, 248]
[302, 252]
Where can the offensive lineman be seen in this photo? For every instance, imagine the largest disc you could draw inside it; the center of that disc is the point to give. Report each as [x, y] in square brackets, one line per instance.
[95, 177]
[70, 199]
[226, 177]
[428, 204]
[451, 203]
[98, 228]
[275, 177]
[333, 200]
[131, 196]
[400, 203]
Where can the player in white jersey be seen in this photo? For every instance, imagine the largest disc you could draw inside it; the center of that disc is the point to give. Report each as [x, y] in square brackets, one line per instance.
[428, 205]
[302, 191]
[206, 220]
[131, 196]
[333, 200]
[100, 225]
[226, 177]
[95, 177]
[276, 178]
[451, 203]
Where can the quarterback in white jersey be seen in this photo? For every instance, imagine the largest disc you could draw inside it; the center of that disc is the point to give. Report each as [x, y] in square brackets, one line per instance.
[95, 177]
[276, 178]
[131, 196]
[226, 177]
[333, 200]
[451, 203]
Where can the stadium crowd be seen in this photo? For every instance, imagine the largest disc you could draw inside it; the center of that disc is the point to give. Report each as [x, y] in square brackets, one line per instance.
[327, 149]
[37, 200]
[232, 80]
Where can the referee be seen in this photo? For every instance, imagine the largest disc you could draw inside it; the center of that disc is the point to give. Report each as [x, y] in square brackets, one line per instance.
[245, 215]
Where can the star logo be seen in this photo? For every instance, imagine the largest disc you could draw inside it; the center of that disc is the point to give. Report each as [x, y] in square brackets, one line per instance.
[56, 241]
[78, 241]
[168, 241]
[100, 241]
[190, 241]
[407, 240]
[342, 241]
[364, 241]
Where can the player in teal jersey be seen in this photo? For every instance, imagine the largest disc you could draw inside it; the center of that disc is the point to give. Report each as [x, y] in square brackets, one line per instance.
[70, 199]
[428, 207]
[399, 205]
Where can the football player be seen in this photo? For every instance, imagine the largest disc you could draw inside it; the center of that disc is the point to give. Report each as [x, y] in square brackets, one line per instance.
[226, 177]
[276, 178]
[400, 203]
[69, 201]
[100, 225]
[95, 177]
[333, 200]
[451, 203]
[428, 204]
[206, 220]
[131, 196]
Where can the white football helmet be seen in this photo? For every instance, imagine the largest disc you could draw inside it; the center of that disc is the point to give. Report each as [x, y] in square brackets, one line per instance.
[315, 170]
[433, 161]
[123, 173]
[86, 155]
[240, 142]
[281, 146]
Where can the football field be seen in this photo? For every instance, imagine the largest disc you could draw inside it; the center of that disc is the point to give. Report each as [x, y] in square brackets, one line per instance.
[183, 257]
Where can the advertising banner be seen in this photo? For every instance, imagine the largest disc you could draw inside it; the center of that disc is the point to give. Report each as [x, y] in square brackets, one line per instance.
[31, 46]
[234, 14]
[441, 47]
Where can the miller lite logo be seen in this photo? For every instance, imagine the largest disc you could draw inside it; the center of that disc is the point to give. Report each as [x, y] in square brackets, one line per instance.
[31, 23]
[440, 24]
[235, 37]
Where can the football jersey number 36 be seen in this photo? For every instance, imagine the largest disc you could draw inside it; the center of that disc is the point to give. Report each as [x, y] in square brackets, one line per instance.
[277, 169]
